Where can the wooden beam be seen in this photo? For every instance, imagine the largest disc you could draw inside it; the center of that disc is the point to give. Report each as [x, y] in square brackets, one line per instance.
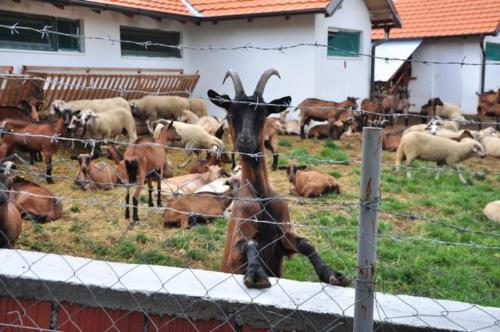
[58, 6]
[97, 11]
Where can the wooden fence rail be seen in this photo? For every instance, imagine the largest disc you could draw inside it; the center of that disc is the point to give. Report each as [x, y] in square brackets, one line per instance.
[73, 86]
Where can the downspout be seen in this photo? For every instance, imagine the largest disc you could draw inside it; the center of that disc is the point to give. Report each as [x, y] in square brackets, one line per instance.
[372, 58]
[483, 63]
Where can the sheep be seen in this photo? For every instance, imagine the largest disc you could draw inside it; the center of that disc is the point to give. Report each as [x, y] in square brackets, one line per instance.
[107, 124]
[193, 138]
[450, 111]
[189, 183]
[198, 106]
[142, 159]
[259, 232]
[96, 105]
[441, 150]
[10, 218]
[94, 175]
[32, 142]
[310, 183]
[210, 124]
[188, 117]
[203, 207]
[152, 108]
[492, 211]
[492, 146]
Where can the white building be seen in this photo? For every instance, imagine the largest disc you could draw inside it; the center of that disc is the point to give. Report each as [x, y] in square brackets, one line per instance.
[306, 71]
[458, 31]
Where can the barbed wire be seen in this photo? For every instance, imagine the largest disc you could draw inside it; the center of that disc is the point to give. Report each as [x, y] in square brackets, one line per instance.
[47, 30]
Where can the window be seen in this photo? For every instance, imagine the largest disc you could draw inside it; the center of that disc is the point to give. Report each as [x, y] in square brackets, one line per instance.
[493, 51]
[154, 36]
[343, 43]
[31, 40]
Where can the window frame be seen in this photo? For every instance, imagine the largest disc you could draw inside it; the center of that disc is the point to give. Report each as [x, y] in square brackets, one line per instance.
[345, 56]
[495, 45]
[52, 40]
[145, 53]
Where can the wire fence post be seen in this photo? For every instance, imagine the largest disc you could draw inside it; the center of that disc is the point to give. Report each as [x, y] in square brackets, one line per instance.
[367, 229]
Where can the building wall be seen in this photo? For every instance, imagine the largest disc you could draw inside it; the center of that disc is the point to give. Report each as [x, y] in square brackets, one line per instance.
[492, 78]
[452, 83]
[337, 78]
[96, 53]
[296, 66]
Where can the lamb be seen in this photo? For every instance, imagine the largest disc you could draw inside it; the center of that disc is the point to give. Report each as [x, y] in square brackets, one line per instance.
[310, 183]
[94, 175]
[108, 124]
[193, 138]
[441, 150]
[492, 211]
[152, 108]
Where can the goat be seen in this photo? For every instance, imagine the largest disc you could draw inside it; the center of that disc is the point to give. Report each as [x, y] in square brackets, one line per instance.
[370, 110]
[310, 183]
[142, 159]
[259, 232]
[272, 127]
[485, 109]
[321, 110]
[10, 219]
[213, 158]
[35, 137]
[94, 175]
[390, 140]
[429, 110]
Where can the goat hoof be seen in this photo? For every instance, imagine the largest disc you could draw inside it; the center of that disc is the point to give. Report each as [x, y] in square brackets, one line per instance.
[159, 205]
[50, 181]
[150, 204]
[334, 278]
[256, 278]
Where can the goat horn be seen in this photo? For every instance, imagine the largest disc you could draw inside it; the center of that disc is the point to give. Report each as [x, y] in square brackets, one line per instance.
[238, 86]
[259, 89]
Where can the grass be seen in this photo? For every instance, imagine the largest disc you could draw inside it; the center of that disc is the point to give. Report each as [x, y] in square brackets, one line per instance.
[412, 258]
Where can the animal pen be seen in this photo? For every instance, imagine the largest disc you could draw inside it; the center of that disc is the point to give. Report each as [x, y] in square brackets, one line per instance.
[42, 288]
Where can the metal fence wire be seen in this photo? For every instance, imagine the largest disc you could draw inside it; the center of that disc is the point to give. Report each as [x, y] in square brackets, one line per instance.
[93, 271]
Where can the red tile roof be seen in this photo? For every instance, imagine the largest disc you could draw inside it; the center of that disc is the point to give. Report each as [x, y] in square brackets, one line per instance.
[163, 6]
[438, 18]
[212, 8]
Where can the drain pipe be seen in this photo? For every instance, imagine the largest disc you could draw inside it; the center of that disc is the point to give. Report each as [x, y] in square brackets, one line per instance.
[483, 63]
[376, 43]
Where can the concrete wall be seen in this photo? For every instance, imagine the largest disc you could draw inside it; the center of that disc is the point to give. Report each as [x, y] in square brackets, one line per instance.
[96, 53]
[453, 83]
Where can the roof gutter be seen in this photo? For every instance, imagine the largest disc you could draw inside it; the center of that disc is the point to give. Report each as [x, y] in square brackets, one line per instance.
[483, 63]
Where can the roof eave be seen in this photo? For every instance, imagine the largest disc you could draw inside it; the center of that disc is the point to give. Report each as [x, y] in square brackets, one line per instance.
[268, 14]
[490, 33]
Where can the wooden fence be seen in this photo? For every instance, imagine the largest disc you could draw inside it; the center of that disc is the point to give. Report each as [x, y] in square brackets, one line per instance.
[86, 84]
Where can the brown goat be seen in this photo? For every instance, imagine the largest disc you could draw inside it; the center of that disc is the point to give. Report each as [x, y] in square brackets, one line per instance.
[142, 159]
[391, 140]
[94, 175]
[10, 220]
[310, 183]
[47, 145]
[272, 127]
[259, 233]
[202, 207]
[485, 109]
[371, 109]
[201, 166]
[322, 110]
[35, 202]
[429, 110]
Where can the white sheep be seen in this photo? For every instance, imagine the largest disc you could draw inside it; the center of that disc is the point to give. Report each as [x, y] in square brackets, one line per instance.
[492, 146]
[108, 124]
[492, 211]
[443, 151]
[450, 111]
[289, 127]
[151, 108]
[96, 105]
[198, 106]
[208, 122]
[193, 138]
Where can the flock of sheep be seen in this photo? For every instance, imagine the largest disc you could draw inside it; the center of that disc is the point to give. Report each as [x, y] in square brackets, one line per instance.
[208, 191]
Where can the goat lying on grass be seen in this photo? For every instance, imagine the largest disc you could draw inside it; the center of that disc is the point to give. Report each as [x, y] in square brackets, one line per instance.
[310, 183]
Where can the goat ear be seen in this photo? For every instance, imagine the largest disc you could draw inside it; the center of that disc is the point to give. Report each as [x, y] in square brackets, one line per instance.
[302, 167]
[222, 101]
[73, 158]
[279, 105]
[219, 132]
[282, 167]
[171, 124]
